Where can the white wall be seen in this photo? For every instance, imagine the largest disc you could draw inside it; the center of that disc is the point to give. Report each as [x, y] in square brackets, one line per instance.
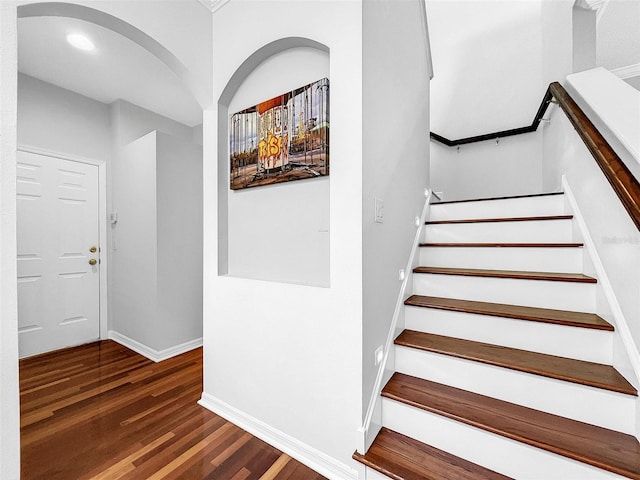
[487, 169]
[290, 355]
[131, 122]
[197, 134]
[58, 120]
[134, 272]
[584, 38]
[614, 107]
[488, 64]
[616, 238]
[487, 60]
[157, 242]
[557, 40]
[395, 149]
[281, 232]
[179, 237]
[618, 35]
[10, 411]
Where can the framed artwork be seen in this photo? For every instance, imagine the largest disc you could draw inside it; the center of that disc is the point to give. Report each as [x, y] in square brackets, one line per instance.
[282, 139]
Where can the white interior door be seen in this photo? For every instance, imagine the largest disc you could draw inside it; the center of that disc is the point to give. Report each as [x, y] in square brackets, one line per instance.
[58, 227]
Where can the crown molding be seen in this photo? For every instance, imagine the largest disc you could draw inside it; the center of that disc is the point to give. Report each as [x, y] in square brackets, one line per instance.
[627, 72]
[213, 5]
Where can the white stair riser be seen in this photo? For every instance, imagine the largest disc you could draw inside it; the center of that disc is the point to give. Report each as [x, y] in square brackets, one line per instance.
[578, 297]
[550, 231]
[561, 340]
[506, 208]
[492, 451]
[540, 259]
[587, 404]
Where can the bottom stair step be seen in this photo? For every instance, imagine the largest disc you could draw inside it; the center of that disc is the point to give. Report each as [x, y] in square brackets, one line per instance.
[403, 458]
[602, 448]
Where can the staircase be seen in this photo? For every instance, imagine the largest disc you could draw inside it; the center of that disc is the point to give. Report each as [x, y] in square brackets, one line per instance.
[503, 369]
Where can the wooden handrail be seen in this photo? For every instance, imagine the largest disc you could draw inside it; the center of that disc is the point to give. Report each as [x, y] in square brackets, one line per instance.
[504, 133]
[617, 173]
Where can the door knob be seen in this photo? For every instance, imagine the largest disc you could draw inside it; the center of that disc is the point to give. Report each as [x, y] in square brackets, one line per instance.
[93, 249]
[93, 261]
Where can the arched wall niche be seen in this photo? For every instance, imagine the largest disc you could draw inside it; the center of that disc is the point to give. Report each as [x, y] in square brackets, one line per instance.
[115, 24]
[266, 62]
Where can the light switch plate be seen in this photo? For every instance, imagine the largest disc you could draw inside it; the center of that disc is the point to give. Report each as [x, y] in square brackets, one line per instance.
[378, 208]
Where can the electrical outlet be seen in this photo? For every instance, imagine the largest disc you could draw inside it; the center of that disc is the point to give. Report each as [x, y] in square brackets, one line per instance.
[401, 275]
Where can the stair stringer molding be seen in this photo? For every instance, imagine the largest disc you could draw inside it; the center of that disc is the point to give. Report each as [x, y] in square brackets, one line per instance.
[626, 357]
[372, 424]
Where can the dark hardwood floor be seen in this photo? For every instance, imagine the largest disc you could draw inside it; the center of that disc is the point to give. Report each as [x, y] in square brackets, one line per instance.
[101, 411]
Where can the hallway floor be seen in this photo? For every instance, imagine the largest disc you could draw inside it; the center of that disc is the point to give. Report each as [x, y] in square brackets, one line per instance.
[101, 411]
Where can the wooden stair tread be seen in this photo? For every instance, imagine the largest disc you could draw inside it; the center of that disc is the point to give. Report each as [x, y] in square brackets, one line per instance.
[513, 245]
[505, 219]
[567, 369]
[606, 449]
[533, 314]
[473, 272]
[404, 458]
[499, 198]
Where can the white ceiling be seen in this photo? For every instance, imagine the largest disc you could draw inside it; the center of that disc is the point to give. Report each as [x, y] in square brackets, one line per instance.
[117, 69]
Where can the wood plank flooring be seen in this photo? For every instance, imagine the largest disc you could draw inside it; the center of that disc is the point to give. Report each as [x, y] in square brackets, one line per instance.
[103, 412]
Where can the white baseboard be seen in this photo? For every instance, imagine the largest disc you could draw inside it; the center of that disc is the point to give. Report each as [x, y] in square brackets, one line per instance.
[150, 353]
[311, 457]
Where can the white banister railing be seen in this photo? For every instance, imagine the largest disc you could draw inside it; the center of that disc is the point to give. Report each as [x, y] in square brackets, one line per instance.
[369, 429]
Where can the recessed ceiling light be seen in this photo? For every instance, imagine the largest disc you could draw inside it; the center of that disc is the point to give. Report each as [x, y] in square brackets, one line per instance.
[80, 41]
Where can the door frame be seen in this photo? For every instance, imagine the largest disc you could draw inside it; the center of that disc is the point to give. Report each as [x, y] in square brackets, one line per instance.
[102, 224]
